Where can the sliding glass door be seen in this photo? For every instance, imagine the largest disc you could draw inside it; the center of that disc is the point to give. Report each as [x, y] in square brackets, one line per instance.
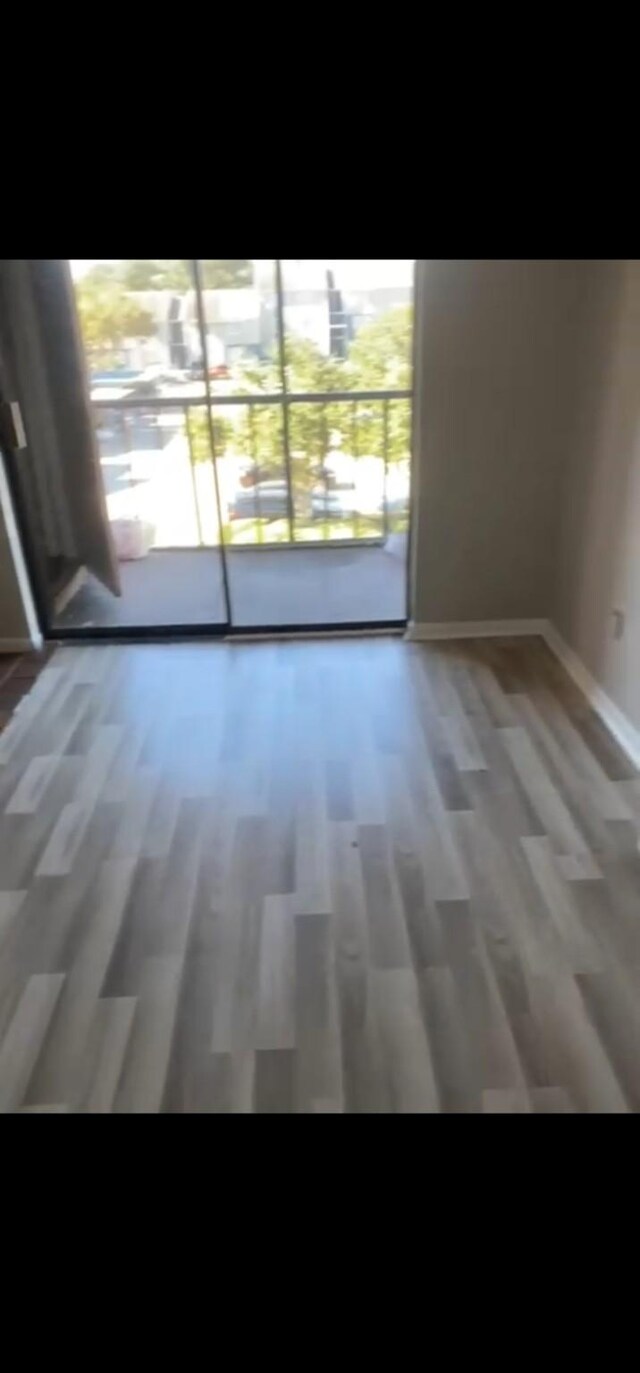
[315, 464]
[148, 393]
[252, 420]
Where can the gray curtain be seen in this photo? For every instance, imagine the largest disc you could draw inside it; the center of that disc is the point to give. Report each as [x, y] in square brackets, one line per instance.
[44, 357]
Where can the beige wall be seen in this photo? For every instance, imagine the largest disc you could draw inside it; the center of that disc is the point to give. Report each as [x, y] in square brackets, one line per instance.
[599, 546]
[491, 420]
[527, 473]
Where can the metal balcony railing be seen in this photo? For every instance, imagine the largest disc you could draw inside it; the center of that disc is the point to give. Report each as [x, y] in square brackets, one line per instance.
[292, 488]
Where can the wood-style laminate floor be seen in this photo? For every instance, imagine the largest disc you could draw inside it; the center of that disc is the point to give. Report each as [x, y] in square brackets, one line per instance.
[352, 875]
[18, 672]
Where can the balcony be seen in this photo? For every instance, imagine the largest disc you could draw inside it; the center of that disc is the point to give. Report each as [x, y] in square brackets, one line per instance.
[310, 525]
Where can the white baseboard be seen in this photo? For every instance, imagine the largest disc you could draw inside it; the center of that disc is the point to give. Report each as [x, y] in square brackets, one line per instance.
[616, 721]
[18, 645]
[475, 629]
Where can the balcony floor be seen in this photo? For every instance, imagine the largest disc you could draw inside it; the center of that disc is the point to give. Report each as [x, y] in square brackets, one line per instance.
[284, 586]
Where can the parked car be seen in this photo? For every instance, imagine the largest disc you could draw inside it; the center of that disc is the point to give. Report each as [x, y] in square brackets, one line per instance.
[398, 505]
[268, 500]
[336, 503]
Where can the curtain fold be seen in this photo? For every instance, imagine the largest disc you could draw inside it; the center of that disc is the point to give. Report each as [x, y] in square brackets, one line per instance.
[44, 354]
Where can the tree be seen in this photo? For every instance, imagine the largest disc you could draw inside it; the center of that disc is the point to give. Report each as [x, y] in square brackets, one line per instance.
[380, 355]
[147, 274]
[177, 274]
[380, 358]
[231, 273]
[109, 315]
[258, 430]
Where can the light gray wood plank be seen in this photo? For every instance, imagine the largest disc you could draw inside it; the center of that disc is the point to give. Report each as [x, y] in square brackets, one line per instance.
[111, 1032]
[505, 1103]
[453, 1063]
[577, 1059]
[47, 1110]
[58, 1075]
[23, 1040]
[32, 785]
[550, 1101]
[582, 950]
[359, 876]
[64, 843]
[318, 1056]
[407, 1060]
[544, 796]
[10, 903]
[275, 1072]
[143, 1078]
[276, 977]
[388, 940]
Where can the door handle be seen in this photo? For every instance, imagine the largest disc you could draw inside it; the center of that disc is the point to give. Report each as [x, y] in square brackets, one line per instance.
[12, 433]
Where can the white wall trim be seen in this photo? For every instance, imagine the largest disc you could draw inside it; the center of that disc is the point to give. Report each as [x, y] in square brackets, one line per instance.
[475, 629]
[616, 721]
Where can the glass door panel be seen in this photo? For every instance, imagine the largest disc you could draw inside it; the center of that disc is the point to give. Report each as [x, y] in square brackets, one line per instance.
[348, 324]
[341, 445]
[139, 323]
[240, 310]
[253, 422]
[254, 492]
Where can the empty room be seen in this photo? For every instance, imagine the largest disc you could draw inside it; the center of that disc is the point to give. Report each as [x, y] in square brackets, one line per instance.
[320, 686]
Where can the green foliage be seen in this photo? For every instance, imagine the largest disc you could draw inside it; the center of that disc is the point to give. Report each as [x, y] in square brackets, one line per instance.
[377, 361]
[223, 431]
[380, 355]
[379, 358]
[226, 273]
[309, 370]
[176, 274]
[146, 274]
[108, 314]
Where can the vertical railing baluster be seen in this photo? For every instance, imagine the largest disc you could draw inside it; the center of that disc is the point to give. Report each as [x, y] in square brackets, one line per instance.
[257, 506]
[325, 455]
[317, 501]
[202, 332]
[285, 401]
[354, 446]
[406, 505]
[385, 456]
[127, 449]
[194, 484]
